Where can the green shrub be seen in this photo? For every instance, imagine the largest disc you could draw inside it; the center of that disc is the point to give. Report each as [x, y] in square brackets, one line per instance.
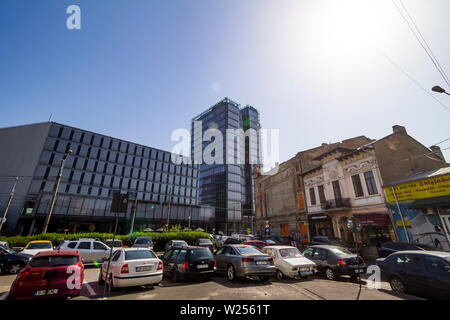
[159, 239]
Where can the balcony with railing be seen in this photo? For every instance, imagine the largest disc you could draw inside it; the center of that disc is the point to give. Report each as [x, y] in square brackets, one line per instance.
[336, 204]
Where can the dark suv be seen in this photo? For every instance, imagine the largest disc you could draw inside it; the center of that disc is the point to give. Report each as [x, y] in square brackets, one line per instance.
[188, 262]
[390, 247]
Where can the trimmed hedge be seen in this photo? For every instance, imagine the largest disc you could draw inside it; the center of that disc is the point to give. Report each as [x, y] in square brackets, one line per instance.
[159, 239]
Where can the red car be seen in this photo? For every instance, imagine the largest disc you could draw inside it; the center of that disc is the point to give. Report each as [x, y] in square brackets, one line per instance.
[256, 243]
[50, 274]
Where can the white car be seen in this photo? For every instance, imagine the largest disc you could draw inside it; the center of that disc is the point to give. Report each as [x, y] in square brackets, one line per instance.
[34, 247]
[289, 262]
[132, 267]
[91, 250]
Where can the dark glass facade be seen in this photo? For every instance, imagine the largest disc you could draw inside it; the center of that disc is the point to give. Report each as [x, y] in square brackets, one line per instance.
[228, 187]
[98, 167]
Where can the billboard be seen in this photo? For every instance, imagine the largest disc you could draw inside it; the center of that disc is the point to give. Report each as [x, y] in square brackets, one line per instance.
[421, 189]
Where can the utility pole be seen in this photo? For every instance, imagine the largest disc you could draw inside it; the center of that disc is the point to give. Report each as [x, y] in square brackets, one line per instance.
[168, 209]
[134, 215]
[190, 216]
[47, 220]
[11, 195]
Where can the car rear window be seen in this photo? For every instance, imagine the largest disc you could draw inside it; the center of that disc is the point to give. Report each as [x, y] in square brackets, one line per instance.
[248, 250]
[144, 241]
[204, 241]
[200, 254]
[116, 243]
[53, 261]
[139, 254]
[39, 245]
[179, 244]
[341, 252]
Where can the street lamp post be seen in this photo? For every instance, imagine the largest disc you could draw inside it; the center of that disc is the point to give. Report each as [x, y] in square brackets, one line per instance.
[47, 220]
[439, 90]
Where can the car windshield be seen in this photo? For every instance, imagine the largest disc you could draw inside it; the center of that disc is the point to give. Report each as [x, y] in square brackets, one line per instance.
[248, 250]
[116, 243]
[271, 242]
[290, 253]
[144, 241]
[39, 245]
[200, 254]
[179, 244]
[53, 261]
[204, 241]
[341, 252]
[10, 251]
[139, 254]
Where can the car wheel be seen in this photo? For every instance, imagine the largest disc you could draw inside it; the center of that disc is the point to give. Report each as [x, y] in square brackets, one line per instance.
[397, 285]
[279, 275]
[329, 274]
[231, 273]
[15, 268]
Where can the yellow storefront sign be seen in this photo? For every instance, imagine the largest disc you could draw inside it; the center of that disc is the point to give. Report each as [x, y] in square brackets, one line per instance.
[421, 189]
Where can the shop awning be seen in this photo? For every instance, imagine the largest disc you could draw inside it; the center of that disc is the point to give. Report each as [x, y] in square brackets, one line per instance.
[374, 219]
[430, 202]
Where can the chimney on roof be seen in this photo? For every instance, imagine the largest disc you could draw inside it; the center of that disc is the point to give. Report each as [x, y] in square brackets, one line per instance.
[399, 129]
[437, 151]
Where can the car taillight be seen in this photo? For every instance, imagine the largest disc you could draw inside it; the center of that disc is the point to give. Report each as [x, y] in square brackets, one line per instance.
[124, 269]
[185, 266]
[248, 260]
[294, 268]
[215, 265]
[160, 266]
[23, 274]
[270, 259]
[342, 263]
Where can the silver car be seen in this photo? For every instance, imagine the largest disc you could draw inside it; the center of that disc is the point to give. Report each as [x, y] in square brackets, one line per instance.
[238, 260]
[143, 242]
[91, 250]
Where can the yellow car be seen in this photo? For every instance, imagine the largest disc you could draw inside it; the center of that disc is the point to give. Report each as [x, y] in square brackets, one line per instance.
[34, 247]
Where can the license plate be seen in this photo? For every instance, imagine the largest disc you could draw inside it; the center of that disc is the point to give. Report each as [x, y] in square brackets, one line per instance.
[144, 268]
[261, 262]
[304, 269]
[45, 292]
[202, 266]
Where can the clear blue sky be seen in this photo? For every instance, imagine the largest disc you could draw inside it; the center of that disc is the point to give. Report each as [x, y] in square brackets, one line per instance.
[139, 69]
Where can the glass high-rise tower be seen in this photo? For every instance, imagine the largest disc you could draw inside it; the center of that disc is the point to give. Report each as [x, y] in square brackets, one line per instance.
[227, 185]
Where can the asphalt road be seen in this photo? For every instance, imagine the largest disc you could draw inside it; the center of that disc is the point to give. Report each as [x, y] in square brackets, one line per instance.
[219, 288]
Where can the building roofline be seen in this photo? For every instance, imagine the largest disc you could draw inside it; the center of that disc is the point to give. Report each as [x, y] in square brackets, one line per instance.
[226, 100]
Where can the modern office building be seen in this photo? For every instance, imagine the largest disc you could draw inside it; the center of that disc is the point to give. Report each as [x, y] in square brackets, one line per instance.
[227, 185]
[98, 166]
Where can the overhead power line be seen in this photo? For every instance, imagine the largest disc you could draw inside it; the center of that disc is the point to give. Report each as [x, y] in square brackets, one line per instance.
[419, 37]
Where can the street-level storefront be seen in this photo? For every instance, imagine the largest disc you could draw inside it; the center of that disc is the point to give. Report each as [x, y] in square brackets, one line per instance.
[376, 229]
[320, 224]
[420, 204]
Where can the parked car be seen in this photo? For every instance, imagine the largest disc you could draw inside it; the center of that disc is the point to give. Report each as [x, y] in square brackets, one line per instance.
[424, 272]
[4, 244]
[12, 262]
[334, 261]
[332, 241]
[239, 260]
[143, 242]
[231, 240]
[132, 267]
[242, 237]
[390, 247]
[203, 242]
[47, 275]
[175, 244]
[289, 262]
[188, 262]
[90, 250]
[271, 242]
[34, 247]
[115, 244]
[256, 243]
[219, 240]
